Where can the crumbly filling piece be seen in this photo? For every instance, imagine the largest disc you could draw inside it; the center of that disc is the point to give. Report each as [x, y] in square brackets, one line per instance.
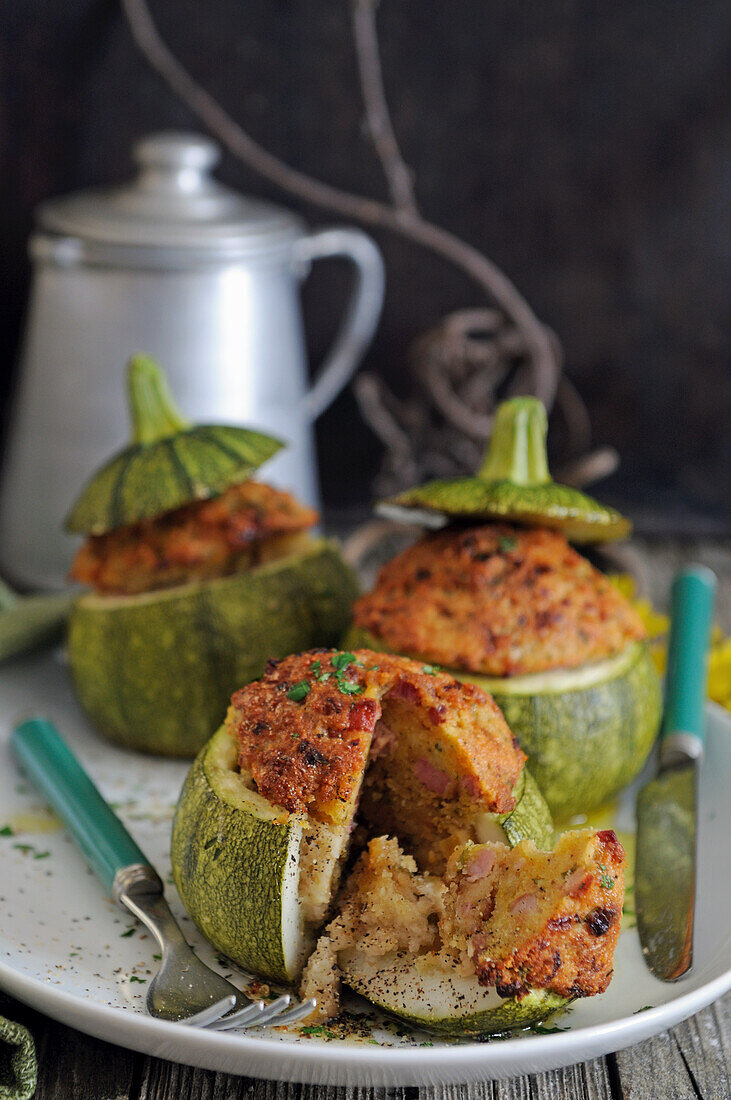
[515, 919]
[386, 906]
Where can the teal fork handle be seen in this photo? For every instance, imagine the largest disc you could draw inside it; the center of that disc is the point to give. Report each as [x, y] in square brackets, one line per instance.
[56, 772]
[692, 600]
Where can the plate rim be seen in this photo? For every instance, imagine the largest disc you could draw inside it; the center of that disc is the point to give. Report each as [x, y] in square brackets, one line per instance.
[301, 1062]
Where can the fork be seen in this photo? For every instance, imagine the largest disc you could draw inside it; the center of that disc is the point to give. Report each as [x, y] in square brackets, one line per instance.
[184, 989]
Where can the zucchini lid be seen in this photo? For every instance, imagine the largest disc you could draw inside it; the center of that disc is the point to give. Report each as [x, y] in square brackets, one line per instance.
[513, 484]
[168, 463]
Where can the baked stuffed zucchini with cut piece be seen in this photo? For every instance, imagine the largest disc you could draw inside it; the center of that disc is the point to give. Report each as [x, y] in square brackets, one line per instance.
[499, 597]
[266, 814]
[198, 575]
[505, 938]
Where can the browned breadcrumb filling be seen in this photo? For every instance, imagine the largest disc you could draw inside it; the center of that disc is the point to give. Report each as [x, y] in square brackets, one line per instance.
[246, 525]
[307, 728]
[516, 919]
[497, 600]
[524, 919]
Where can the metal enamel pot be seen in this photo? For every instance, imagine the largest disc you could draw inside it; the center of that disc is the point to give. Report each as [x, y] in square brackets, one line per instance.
[202, 278]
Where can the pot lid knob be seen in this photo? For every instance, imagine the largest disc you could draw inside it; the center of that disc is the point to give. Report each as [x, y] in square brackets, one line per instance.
[175, 159]
[172, 149]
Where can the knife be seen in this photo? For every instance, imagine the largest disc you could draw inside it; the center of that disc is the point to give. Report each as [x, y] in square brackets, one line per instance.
[665, 870]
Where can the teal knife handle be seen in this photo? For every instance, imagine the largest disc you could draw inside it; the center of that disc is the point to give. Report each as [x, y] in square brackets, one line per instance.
[56, 772]
[692, 602]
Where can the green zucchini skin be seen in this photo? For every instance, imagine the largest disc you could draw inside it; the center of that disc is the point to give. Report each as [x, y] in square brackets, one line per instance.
[235, 867]
[584, 743]
[148, 479]
[531, 819]
[156, 672]
[577, 516]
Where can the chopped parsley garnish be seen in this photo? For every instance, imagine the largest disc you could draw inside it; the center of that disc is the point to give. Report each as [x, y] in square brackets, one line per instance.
[134, 978]
[430, 670]
[347, 687]
[606, 881]
[6, 831]
[127, 934]
[506, 543]
[41, 855]
[318, 1029]
[299, 692]
[157, 957]
[341, 661]
[24, 848]
[316, 669]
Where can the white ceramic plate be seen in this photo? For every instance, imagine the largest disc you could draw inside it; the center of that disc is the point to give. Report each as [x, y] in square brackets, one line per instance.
[68, 951]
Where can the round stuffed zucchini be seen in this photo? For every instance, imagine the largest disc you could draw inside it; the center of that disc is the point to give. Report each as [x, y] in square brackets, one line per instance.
[258, 843]
[182, 611]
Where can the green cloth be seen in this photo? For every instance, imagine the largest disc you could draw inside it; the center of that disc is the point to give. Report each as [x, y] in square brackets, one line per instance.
[18, 1063]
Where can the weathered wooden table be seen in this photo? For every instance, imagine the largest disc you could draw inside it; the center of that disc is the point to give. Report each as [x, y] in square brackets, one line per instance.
[691, 1061]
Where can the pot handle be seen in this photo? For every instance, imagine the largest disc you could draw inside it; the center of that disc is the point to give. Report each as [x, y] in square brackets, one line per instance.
[361, 315]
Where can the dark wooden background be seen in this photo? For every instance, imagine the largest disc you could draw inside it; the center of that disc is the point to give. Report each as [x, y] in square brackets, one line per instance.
[584, 145]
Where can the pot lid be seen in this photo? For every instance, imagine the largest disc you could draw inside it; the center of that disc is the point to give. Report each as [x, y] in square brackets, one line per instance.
[173, 202]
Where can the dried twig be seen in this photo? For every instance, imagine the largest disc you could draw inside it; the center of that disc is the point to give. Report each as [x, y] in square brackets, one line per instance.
[403, 219]
[461, 368]
[378, 118]
[471, 353]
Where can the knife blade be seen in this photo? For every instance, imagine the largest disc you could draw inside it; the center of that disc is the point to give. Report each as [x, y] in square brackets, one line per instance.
[665, 868]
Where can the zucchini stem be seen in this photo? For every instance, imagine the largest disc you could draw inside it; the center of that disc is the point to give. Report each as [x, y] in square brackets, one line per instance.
[152, 408]
[517, 449]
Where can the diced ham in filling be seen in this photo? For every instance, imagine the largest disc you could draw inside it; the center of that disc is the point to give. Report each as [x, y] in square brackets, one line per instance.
[383, 740]
[526, 903]
[433, 778]
[480, 864]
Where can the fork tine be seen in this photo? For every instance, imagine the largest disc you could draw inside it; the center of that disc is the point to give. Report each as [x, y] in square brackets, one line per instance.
[245, 1017]
[268, 1013]
[274, 1009]
[208, 1015]
[297, 1013]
